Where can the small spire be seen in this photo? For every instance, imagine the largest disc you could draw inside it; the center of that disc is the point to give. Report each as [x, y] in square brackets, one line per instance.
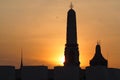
[98, 42]
[21, 65]
[71, 5]
[98, 48]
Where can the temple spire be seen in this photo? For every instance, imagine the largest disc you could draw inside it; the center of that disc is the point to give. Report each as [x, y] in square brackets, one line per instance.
[21, 65]
[71, 47]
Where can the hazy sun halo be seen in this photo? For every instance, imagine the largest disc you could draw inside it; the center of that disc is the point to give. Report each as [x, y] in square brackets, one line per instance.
[61, 60]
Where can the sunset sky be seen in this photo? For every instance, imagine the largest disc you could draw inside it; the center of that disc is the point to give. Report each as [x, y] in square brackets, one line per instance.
[39, 28]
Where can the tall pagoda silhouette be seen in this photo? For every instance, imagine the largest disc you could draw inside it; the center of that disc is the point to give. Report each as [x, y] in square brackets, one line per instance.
[71, 47]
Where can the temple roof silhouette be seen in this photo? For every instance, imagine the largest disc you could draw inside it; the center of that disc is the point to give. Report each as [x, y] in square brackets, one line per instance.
[98, 59]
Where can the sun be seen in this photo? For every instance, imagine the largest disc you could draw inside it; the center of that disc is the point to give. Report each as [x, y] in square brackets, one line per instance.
[61, 60]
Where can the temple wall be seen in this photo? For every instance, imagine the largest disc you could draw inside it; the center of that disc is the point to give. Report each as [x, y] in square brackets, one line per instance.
[96, 73]
[7, 73]
[66, 73]
[34, 73]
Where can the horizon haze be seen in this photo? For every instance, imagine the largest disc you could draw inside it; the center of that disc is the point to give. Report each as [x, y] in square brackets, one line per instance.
[39, 28]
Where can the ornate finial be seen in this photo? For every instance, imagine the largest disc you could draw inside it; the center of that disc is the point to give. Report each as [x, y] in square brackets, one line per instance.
[98, 42]
[71, 5]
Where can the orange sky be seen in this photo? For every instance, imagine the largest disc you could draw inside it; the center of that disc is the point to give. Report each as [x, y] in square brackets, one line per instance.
[39, 28]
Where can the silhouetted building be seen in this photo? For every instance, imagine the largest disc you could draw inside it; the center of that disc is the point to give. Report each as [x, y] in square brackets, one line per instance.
[71, 46]
[113, 74]
[34, 73]
[98, 59]
[97, 73]
[66, 73]
[7, 73]
[18, 74]
[51, 74]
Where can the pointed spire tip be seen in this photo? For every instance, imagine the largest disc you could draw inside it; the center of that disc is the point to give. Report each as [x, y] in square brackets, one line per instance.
[21, 65]
[71, 5]
[98, 42]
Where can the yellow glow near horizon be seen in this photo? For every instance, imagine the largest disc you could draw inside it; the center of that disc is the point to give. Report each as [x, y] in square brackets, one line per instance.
[62, 60]
[59, 60]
